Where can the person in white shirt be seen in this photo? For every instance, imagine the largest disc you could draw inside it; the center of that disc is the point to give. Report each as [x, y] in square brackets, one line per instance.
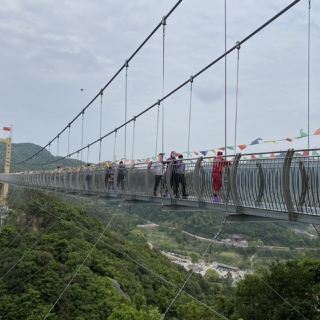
[157, 168]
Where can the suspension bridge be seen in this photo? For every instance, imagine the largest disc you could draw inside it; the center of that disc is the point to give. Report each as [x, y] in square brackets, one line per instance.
[255, 187]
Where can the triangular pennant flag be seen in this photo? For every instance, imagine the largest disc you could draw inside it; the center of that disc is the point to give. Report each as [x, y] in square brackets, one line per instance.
[317, 133]
[204, 153]
[288, 139]
[256, 141]
[196, 153]
[222, 148]
[242, 146]
[302, 134]
[230, 147]
[270, 141]
[213, 151]
[306, 153]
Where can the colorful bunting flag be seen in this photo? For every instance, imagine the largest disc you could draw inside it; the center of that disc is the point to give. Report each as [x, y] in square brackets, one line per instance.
[256, 141]
[317, 133]
[302, 134]
[306, 153]
[242, 146]
[204, 153]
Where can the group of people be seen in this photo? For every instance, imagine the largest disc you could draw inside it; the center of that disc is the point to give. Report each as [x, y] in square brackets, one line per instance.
[173, 168]
[177, 176]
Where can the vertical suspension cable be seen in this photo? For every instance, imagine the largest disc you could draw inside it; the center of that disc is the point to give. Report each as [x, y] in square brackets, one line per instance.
[164, 23]
[114, 146]
[69, 129]
[133, 137]
[125, 110]
[101, 102]
[190, 107]
[157, 131]
[309, 56]
[82, 125]
[237, 96]
[225, 77]
[88, 151]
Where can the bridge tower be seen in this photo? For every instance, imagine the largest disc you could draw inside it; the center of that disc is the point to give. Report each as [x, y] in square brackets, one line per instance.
[7, 167]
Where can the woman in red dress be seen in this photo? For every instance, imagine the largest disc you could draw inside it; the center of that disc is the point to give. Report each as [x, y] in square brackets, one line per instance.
[217, 172]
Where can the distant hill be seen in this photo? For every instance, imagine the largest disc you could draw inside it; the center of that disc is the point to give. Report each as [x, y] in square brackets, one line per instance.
[21, 151]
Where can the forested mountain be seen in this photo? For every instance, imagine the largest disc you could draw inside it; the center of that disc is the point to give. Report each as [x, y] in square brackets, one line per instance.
[46, 240]
[104, 269]
[21, 151]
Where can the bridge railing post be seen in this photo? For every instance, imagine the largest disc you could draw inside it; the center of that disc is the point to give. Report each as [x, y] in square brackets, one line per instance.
[286, 185]
[233, 180]
[196, 180]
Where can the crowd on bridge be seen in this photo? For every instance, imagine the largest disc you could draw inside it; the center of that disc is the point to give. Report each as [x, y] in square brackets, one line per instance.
[168, 173]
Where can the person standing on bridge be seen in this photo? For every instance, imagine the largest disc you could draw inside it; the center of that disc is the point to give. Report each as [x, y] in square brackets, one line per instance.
[121, 175]
[181, 168]
[89, 174]
[217, 173]
[157, 168]
[174, 183]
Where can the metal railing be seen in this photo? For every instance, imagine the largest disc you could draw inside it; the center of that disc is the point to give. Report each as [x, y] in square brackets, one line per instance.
[289, 182]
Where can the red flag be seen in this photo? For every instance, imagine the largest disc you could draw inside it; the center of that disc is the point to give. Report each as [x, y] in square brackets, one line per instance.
[242, 146]
[317, 132]
[306, 153]
[6, 128]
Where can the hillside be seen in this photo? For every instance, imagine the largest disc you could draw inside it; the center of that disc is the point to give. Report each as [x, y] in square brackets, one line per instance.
[59, 262]
[45, 240]
[21, 151]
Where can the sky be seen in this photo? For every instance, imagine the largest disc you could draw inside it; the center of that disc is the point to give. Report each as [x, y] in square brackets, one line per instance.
[50, 50]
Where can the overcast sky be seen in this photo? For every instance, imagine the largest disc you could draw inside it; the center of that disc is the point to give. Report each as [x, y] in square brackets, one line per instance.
[51, 49]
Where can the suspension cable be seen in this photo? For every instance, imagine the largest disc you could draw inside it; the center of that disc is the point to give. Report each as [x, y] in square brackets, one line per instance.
[79, 267]
[114, 145]
[225, 77]
[179, 87]
[157, 130]
[125, 109]
[82, 125]
[88, 152]
[101, 104]
[309, 71]
[69, 129]
[223, 222]
[164, 23]
[190, 106]
[144, 42]
[237, 96]
[133, 138]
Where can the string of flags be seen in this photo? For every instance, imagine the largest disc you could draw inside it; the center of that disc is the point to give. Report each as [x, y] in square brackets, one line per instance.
[242, 147]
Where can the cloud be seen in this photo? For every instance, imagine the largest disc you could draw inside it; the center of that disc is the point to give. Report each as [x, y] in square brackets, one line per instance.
[51, 49]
